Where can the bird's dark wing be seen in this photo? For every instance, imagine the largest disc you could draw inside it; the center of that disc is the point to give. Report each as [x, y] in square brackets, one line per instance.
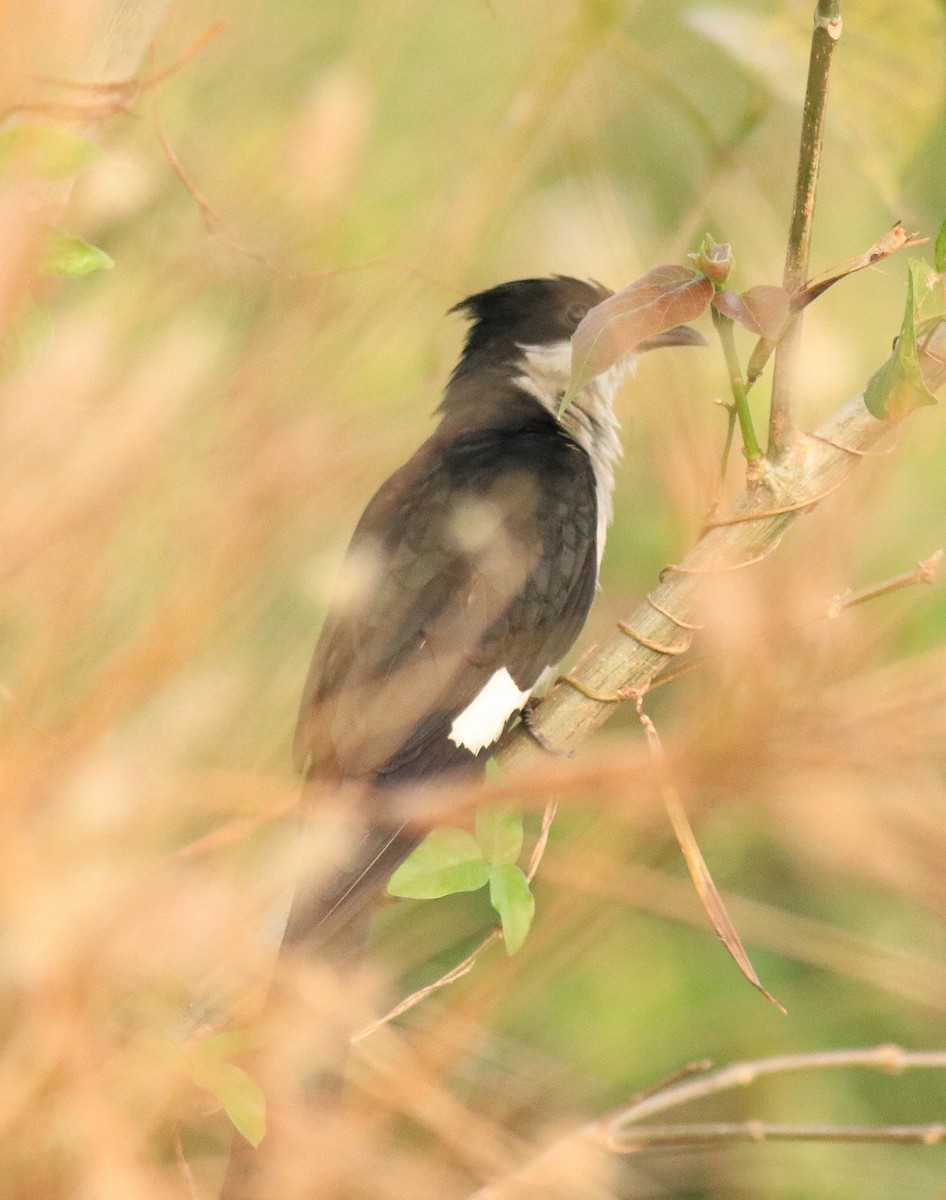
[478, 555]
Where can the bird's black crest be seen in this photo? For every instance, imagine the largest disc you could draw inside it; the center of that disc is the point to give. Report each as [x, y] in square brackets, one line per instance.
[526, 312]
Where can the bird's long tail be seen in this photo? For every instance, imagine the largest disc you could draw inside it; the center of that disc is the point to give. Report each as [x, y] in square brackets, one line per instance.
[328, 921]
[332, 919]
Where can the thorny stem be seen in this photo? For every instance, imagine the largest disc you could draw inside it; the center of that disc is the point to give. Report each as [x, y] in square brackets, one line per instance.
[826, 33]
[724, 327]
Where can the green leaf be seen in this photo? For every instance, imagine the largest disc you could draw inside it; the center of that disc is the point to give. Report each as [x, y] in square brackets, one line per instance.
[44, 151]
[447, 861]
[929, 296]
[939, 250]
[72, 257]
[897, 389]
[237, 1093]
[499, 833]
[240, 1097]
[510, 895]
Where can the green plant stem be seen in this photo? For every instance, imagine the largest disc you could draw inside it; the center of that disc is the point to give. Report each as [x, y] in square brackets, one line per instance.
[826, 33]
[724, 327]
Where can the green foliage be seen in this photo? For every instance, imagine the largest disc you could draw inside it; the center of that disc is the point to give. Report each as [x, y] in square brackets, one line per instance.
[447, 861]
[238, 1094]
[167, 610]
[897, 389]
[451, 860]
[499, 833]
[510, 895]
[210, 1067]
[939, 251]
[72, 257]
[241, 1098]
[45, 151]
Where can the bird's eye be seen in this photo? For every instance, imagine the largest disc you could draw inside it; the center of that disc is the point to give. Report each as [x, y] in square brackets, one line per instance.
[576, 313]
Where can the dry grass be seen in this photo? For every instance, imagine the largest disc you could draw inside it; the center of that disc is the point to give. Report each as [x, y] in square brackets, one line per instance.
[184, 455]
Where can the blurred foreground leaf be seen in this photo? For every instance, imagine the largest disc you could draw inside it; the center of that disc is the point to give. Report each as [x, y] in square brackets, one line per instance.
[45, 151]
[72, 257]
[241, 1098]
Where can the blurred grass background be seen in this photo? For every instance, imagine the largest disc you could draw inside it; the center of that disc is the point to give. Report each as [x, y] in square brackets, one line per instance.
[187, 442]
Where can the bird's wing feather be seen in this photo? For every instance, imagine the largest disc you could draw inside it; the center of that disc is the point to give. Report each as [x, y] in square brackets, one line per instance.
[479, 554]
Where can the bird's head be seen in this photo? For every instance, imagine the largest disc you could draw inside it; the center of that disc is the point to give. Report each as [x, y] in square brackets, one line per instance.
[518, 352]
[527, 312]
[526, 326]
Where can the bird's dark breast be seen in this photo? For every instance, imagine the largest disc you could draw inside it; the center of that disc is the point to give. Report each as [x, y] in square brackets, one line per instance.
[477, 556]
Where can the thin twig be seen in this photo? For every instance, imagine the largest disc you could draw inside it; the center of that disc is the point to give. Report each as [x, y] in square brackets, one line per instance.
[100, 98]
[708, 1134]
[893, 240]
[824, 37]
[451, 976]
[714, 504]
[689, 1069]
[548, 816]
[892, 1059]
[213, 223]
[129, 89]
[620, 1131]
[923, 572]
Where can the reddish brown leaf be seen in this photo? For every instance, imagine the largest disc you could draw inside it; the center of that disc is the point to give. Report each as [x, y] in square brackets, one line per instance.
[893, 240]
[706, 889]
[709, 896]
[762, 310]
[666, 296]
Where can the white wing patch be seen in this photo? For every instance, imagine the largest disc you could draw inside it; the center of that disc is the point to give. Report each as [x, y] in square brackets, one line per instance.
[485, 717]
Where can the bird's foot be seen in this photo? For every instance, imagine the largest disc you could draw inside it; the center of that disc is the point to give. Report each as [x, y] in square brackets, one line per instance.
[536, 733]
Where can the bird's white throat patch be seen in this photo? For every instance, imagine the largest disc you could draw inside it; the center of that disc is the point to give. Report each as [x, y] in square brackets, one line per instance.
[589, 419]
[485, 717]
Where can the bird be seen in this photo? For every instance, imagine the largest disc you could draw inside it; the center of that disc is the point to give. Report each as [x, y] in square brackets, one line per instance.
[468, 578]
